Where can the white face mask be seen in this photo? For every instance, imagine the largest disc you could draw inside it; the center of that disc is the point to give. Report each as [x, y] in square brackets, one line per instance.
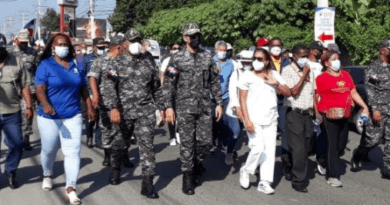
[175, 51]
[221, 55]
[276, 51]
[257, 65]
[61, 52]
[302, 62]
[100, 52]
[135, 48]
[336, 65]
[83, 51]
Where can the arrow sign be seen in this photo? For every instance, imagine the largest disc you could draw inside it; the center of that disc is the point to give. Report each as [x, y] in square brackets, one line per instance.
[324, 37]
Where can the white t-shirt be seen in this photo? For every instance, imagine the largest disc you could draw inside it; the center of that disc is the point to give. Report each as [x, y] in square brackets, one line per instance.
[316, 67]
[261, 98]
[164, 64]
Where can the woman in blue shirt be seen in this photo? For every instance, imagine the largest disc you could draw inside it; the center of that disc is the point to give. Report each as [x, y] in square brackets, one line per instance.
[59, 85]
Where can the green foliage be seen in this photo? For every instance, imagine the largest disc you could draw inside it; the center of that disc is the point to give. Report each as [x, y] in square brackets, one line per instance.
[51, 20]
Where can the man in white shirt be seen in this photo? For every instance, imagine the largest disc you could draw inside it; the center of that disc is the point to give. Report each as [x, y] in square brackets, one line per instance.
[299, 118]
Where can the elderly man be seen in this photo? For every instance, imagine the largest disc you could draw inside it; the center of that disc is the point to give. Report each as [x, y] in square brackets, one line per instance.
[15, 80]
[188, 91]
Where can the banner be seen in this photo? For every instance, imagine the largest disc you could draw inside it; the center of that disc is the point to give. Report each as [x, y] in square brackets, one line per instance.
[84, 28]
[324, 25]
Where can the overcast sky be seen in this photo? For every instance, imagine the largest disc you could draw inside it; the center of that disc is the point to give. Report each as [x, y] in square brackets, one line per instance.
[15, 9]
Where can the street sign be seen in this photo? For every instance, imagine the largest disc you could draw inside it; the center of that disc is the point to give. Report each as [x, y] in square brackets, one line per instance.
[324, 25]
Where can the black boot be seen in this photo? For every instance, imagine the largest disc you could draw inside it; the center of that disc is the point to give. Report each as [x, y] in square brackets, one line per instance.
[26, 142]
[148, 187]
[198, 171]
[125, 160]
[115, 176]
[356, 159]
[89, 142]
[188, 183]
[11, 180]
[107, 158]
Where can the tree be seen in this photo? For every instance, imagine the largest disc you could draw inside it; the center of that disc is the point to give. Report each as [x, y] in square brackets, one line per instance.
[51, 20]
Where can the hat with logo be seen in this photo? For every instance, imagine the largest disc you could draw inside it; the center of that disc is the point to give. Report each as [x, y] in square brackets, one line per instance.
[132, 34]
[190, 29]
[98, 42]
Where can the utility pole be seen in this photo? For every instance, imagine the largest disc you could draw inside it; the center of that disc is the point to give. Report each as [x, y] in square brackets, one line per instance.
[23, 18]
[10, 25]
[92, 18]
[37, 21]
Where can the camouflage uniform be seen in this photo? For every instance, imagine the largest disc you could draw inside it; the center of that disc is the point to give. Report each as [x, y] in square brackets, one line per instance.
[189, 93]
[29, 59]
[134, 92]
[378, 95]
[99, 69]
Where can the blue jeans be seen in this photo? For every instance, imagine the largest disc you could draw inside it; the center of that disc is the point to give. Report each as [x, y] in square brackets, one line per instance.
[11, 125]
[64, 133]
[235, 127]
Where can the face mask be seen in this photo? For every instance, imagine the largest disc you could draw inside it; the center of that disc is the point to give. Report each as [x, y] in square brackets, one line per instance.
[100, 52]
[276, 51]
[23, 46]
[221, 55]
[61, 52]
[257, 65]
[335, 65]
[195, 42]
[302, 62]
[135, 48]
[175, 51]
[83, 51]
[265, 48]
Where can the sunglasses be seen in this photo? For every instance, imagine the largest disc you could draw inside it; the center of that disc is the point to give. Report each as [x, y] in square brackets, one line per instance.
[258, 59]
[175, 48]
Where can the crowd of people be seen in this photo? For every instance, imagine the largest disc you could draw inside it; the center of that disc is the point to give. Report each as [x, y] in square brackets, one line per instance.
[119, 92]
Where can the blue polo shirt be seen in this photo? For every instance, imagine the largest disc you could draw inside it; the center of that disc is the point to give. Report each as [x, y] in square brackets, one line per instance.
[227, 70]
[63, 87]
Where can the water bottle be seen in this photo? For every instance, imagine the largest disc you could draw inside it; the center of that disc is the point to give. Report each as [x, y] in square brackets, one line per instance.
[316, 127]
[363, 119]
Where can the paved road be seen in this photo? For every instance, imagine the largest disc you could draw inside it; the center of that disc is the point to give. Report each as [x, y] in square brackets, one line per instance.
[220, 184]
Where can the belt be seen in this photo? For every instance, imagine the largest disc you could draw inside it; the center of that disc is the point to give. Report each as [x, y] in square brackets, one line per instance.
[301, 111]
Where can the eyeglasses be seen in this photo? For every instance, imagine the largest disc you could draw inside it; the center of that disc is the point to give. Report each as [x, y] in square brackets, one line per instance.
[258, 59]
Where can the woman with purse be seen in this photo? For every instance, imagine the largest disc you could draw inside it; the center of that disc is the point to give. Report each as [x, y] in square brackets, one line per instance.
[335, 96]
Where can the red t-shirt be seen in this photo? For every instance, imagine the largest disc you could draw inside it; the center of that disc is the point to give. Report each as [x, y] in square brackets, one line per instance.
[335, 91]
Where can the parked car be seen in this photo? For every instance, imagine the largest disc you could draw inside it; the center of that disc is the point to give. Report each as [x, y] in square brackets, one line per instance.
[358, 75]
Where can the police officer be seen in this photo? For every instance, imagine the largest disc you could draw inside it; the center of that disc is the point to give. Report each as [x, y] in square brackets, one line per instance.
[28, 55]
[98, 50]
[189, 93]
[132, 93]
[377, 81]
[99, 68]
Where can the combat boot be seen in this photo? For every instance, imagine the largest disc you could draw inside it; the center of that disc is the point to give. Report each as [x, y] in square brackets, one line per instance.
[115, 176]
[107, 158]
[188, 183]
[148, 188]
[89, 142]
[125, 160]
[199, 170]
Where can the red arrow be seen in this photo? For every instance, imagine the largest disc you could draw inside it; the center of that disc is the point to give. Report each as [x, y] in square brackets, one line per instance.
[324, 37]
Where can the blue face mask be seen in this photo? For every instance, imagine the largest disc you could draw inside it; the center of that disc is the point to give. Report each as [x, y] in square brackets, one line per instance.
[302, 62]
[221, 55]
[336, 65]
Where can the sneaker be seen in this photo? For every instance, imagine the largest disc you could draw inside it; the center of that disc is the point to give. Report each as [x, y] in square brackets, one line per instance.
[265, 187]
[173, 142]
[229, 159]
[321, 169]
[244, 178]
[334, 182]
[177, 138]
[213, 149]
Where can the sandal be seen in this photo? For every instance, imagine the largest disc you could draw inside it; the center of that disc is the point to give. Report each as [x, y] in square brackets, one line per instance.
[47, 184]
[72, 198]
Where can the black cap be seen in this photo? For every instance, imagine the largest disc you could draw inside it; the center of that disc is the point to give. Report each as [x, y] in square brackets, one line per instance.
[334, 47]
[385, 43]
[317, 45]
[3, 40]
[99, 42]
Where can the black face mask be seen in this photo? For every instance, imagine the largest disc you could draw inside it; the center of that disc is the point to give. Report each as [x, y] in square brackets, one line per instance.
[23, 46]
[195, 41]
[229, 54]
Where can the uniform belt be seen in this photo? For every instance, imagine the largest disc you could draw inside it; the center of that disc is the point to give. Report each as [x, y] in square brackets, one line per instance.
[301, 111]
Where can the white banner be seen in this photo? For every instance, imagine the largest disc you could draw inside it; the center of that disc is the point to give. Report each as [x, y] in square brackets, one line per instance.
[324, 25]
